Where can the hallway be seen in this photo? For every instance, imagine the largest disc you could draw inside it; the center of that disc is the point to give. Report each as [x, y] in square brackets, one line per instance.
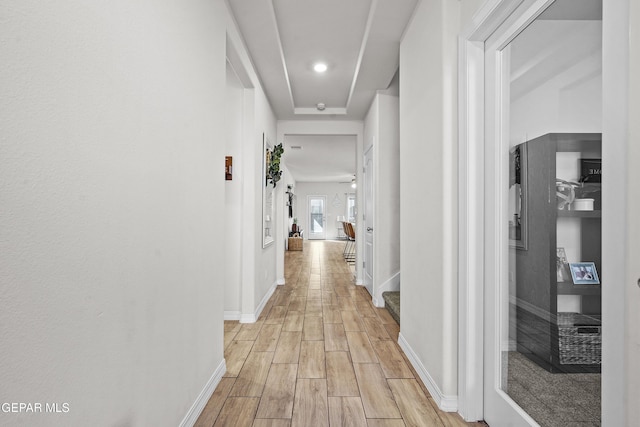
[319, 355]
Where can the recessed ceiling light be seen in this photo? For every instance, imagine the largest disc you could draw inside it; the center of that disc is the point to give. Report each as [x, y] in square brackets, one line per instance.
[320, 67]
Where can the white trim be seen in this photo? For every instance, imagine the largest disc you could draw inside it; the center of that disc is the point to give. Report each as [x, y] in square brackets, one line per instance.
[363, 45]
[281, 281]
[619, 301]
[444, 402]
[274, 20]
[194, 412]
[471, 214]
[232, 315]
[252, 317]
[248, 318]
[392, 284]
[359, 282]
[488, 18]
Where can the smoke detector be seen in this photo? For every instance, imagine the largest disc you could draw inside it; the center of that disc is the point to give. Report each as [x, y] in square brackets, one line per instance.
[320, 106]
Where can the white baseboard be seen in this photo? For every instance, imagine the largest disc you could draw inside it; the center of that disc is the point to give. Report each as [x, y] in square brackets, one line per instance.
[359, 282]
[252, 317]
[281, 281]
[190, 419]
[391, 284]
[232, 315]
[444, 402]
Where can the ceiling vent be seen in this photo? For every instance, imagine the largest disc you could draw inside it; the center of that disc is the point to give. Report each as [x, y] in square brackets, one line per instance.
[296, 147]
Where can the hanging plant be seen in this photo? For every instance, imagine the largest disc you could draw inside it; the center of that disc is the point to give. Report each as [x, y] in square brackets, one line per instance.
[274, 173]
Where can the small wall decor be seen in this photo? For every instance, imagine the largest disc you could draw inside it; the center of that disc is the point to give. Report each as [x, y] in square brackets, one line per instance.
[336, 201]
[272, 161]
[267, 194]
[290, 200]
[584, 273]
[228, 168]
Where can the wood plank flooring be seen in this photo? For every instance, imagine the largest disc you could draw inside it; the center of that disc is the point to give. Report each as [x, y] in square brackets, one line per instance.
[320, 355]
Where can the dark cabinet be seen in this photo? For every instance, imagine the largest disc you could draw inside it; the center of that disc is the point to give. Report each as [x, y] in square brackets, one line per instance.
[557, 338]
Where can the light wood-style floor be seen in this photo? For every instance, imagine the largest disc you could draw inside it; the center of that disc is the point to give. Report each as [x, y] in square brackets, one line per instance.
[320, 355]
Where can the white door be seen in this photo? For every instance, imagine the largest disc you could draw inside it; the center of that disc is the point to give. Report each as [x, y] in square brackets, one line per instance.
[499, 408]
[532, 88]
[317, 217]
[368, 220]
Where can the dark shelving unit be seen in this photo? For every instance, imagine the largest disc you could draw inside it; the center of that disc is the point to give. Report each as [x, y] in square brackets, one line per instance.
[537, 288]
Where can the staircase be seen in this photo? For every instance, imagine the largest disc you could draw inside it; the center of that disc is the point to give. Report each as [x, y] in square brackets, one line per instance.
[392, 304]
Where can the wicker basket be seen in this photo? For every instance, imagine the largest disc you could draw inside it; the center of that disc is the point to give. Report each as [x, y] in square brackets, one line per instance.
[580, 339]
[295, 243]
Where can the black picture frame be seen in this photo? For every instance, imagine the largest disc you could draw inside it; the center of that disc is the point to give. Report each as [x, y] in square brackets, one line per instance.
[591, 170]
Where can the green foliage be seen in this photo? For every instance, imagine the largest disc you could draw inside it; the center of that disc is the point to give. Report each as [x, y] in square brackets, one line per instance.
[274, 173]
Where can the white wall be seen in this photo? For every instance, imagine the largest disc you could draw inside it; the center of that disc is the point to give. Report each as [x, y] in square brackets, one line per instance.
[111, 168]
[258, 264]
[551, 100]
[265, 274]
[333, 209]
[381, 128]
[428, 211]
[233, 195]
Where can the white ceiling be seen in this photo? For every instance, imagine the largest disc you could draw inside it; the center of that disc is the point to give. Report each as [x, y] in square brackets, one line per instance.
[320, 158]
[359, 40]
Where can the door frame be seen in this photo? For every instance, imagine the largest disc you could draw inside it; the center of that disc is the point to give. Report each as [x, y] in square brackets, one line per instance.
[369, 221]
[471, 202]
[471, 199]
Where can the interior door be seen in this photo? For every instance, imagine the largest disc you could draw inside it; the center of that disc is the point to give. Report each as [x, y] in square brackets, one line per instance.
[540, 67]
[500, 304]
[317, 217]
[368, 220]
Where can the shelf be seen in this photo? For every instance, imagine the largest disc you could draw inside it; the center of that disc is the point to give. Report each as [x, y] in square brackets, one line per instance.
[577, 142]
[568, 288]
[579, 214]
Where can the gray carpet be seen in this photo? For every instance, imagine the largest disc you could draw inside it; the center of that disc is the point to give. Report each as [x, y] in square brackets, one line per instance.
[567, 400]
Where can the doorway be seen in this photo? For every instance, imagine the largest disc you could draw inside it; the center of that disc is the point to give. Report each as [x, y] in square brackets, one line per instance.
[541, 95]
[317, 217]
[543, 334]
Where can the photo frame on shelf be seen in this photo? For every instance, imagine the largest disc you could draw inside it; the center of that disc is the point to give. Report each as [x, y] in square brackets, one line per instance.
[268, 220]
[518, 231]
[584, 273]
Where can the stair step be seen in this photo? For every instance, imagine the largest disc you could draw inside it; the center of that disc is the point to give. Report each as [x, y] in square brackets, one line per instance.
[392, 304]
